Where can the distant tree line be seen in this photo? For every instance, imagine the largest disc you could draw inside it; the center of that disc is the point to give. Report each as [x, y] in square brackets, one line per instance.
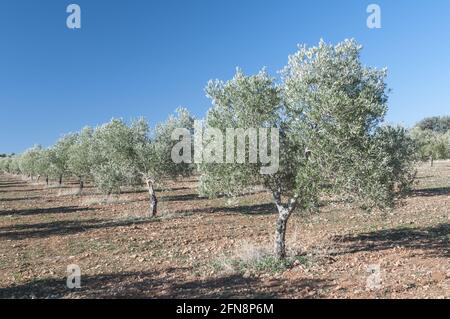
[432, 138]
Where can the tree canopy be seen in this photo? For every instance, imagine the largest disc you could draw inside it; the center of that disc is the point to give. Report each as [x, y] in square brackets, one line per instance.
[328, 109]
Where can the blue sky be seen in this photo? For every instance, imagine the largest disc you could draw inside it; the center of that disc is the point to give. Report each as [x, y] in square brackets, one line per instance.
[147, 57]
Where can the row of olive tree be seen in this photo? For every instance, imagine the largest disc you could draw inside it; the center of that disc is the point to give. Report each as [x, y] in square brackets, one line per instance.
[328, 109]
[112, 155]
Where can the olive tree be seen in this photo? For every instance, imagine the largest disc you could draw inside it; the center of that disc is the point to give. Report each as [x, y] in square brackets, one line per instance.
[128, 154]
[59, 156]
[110, 152]
[79, 156]
[327, 111]
[10, 164]
[430, 143]
[153, 160]
[30, 160]
[14, 165]
[5, 164]
[42, 164]
[35, 162]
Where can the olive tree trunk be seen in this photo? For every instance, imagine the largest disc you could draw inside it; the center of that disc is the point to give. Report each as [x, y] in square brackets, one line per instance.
[280, 235]
[153, 200]
[81, 184]
[284, 212]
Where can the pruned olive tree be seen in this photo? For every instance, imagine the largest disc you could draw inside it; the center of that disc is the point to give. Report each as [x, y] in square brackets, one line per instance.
[110, 153]
[129, 154]
[43, 165]
[14, 165]
[37, 162]
[328, 111]
[154, 160]
[59, 156]
[79, 159]
[31, 162]
[5, 163]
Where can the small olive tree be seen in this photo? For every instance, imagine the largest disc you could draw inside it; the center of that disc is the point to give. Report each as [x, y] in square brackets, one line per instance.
[14, 165]
[154, 161]
[59, 156]
[36, 162]
[79, 159]
[110, 151]
[128, 154]
[43, 164]
[327, 109]
[4, 164]
[31, 161]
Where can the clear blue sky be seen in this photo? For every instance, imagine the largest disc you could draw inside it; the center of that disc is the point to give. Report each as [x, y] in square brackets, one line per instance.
[148, 57]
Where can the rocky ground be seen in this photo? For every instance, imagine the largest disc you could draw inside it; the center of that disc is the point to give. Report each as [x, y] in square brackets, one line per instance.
[201, 248]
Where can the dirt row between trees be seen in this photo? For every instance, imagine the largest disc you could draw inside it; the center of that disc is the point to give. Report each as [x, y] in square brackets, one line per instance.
[192, 249]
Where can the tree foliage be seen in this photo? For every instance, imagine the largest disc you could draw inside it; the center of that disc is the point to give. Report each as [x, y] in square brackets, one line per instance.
[79, 162]
[131, 154]
[328, 109]
[432, 138]
[437, 124]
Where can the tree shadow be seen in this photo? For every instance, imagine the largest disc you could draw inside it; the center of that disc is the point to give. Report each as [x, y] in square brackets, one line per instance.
[21, 190]
[182, 197]
[18, 199]
[173, 189]
[63, 228]
[429, 192]
[165, 284]
[133, 191]
[44, 211]
[435, 240]
[11, 185]
[260, 209]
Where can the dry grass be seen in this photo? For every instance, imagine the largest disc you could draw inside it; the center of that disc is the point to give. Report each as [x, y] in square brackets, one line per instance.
[95, 200]
[69, 192]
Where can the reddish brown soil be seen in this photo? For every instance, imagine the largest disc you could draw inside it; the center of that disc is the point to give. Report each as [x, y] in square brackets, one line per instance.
[122, 253]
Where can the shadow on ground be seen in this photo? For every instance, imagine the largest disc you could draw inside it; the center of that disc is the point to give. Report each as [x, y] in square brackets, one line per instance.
[182, 197]
[63, 228]
[427, 192]
[260, 209]
[434, 241]
[167, 284]
[18, 199]
[44, 211]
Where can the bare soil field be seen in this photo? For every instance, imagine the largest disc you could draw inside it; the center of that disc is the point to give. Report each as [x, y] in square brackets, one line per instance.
[189, 250]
